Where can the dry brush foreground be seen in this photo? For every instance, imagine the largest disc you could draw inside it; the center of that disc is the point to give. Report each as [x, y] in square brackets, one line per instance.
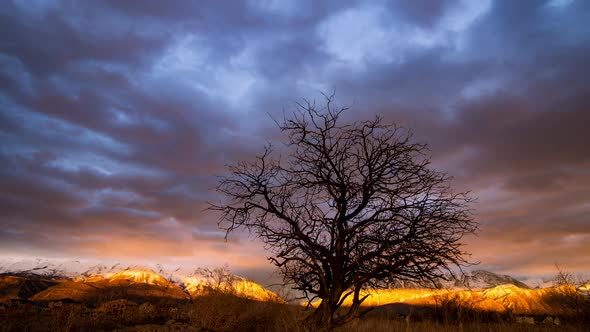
[443, 311]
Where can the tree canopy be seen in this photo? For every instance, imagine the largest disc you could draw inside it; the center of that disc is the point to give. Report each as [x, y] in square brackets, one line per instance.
[350, 205]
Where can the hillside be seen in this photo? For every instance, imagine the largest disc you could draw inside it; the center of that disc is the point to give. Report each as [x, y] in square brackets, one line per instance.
[136, 283]
[139, 284]
[15, 287]
[43, 281]
[47, 268]
[240, 287]
[502, 298]
[139, 295]
[480, 279]
[477, 279]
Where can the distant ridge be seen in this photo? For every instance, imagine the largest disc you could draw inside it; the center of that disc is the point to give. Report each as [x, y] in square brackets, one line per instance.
[89, 283]
[486, 279]
[139, 274]
[478, 279]
[134, 284]
[187, 278]
[16, 287]
[554, 300]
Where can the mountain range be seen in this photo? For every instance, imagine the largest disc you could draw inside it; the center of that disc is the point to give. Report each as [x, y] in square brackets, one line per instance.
[53, 269]
[45, 281]
[50, 280]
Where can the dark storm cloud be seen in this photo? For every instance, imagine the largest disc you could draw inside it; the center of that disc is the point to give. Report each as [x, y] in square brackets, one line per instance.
[507, 117]
[48, 40]
[116, 116]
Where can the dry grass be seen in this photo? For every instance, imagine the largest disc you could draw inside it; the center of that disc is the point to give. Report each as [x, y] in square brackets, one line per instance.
[562, 300]
[221, 312]
[227, 313]
[217, 312]
[382, 325]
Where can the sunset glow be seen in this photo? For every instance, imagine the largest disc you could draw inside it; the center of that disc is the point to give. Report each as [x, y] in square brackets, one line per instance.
[116, 117]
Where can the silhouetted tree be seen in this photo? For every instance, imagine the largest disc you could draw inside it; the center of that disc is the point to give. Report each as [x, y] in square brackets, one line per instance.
[218, 280]
[350, 206]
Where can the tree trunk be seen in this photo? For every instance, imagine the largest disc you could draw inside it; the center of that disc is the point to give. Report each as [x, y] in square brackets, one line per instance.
[322, 317]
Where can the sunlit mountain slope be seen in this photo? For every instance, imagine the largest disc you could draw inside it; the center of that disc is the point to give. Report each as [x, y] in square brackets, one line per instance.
[139, 275]
[240, 287]
[14, 287]
[139, 283]
[135, 283]
[554, 300]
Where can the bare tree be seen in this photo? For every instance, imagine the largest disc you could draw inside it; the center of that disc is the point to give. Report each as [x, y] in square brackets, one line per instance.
[351, 206]
[567, 278]
[218, 280]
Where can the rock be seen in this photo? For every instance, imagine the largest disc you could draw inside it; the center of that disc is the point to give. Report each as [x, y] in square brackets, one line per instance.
[525, 320]
[548, 320]
[55, 304]
[117, 306]
[147, 310]
[168, 327]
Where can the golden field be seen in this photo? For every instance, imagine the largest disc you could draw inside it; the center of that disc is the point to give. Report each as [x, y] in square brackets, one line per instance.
[142, 300]
[503, 298]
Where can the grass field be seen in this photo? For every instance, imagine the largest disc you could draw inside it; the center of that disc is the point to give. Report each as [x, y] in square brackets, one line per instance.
[223, 312]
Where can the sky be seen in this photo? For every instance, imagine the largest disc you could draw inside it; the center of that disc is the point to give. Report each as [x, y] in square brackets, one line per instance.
[116, 117]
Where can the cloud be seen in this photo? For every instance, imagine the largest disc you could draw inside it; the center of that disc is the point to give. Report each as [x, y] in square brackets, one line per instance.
[116, 116]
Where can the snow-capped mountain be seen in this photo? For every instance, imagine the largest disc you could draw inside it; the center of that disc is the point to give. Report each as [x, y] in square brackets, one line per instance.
[67, 269]
[40, 267]
[539, 282]
[53, 268]
[140, 275]
[79, 279]
[481, 279]
[478, 279]
[140, 284]
[49, 268]
[201, 281]
[241, 287]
